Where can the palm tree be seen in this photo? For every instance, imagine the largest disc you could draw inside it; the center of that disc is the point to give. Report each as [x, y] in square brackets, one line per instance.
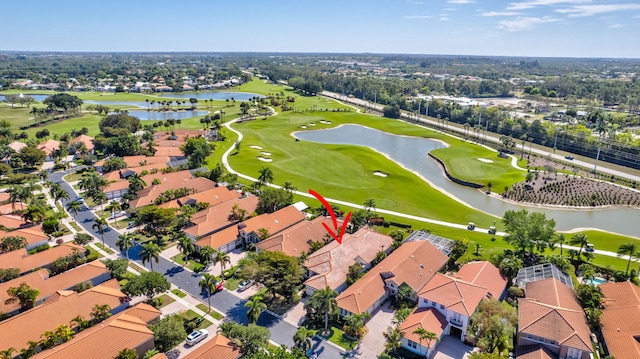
[256, 307]
[99, 198]
[560, 240]
[64, 333]
[124, 243]
[7, 353]
[327, 298]
[79, 323]
[43, 174]
[354, 324]
[222, 258]
[100, 312]
[22, 294]
[581, 240]
[393, 335]
[266, 175]
[30, 350]
[100, 225]
[74, 207]
[185, 246]
[303, 336]
[630, 249]
[35, 214]
[424, 334]
[206, 253]
[208, 284]
[288, 186]
[370, 205]
[150, 252]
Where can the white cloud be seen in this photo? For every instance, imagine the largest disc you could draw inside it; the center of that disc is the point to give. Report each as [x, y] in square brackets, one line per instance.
[525, 23]
[535, 3]
[460, 1]
[412, 17]
[590, 10]
[500, 13]
[616, 26]
[444, 18]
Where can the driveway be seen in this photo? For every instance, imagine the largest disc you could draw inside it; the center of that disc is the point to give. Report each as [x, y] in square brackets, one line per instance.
[451, 348]
[373, 343]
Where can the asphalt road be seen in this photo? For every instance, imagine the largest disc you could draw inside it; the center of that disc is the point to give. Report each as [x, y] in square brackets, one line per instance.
[224, 302]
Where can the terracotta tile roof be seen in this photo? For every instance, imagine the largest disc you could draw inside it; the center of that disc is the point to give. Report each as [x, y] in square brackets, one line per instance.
[160, 356]
[454, 294]
[621, 319]
[295, 239]
[87, 140]
[9, 208]
[118, 185]
[26, 262]
[331, 262]
[49, 146]
[181, 134]
[553, 312]
[215, 218]
[212, 196]
[484, 274]
[219, 239]
[49, 285]
[427, 318]
[534, 352]
[18, 330]
[17, 146]
[104, 341]
[14, 222]
[121, 183]
[413, 263]
[148, 195]
[33, 234]
[219, 347]
[168, 151]
[134, 161]
[4, 196]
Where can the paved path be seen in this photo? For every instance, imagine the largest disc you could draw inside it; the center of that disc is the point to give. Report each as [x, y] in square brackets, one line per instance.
[224, 302]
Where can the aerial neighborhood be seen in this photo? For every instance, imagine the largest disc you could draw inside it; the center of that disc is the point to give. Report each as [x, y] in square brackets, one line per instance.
[291, 214]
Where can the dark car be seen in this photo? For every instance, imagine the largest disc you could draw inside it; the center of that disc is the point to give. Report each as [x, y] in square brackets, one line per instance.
[569, 157]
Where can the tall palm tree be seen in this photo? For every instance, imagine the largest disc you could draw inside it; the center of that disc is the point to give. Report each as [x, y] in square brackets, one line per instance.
[560, 240]
[58, 194]
[256, 306]
[35, 214]
[125, 242]
[581, 240]
[288, 186]
[206, 254]
[393, 335]
[74, 207]
[222, 258]
[208, 284]
[100, 225]
[370, 205]
[150, 252]
[266, 175]
[303, 337]
[630, 249]
[99, 198]
[185, 246]
[328, 302]
[424, 334]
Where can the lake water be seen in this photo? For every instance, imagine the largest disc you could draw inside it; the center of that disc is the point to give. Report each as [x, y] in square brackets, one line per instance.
[238, 96]
[411, 152]
[166, 115]
[37, 97]
[111, 103]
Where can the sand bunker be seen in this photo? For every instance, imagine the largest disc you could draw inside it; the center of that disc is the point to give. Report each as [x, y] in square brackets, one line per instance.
[325, 122]
[312, 124]
[303, 126]
[485, 160]
[265, 159]
[381, 174]
[256, 147]
[265, 153]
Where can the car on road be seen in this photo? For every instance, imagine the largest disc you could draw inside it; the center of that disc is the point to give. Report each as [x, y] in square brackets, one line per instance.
[492, 230]
[244, 285]
[197, 336]
[311, 354]
[569, 157]
[80, 200]
[115, 215]
[471, 226]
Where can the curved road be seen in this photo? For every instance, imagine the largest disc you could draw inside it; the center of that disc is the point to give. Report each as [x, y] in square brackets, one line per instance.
[224, 302]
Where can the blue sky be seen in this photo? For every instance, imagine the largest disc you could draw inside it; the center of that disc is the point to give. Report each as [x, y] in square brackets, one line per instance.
[563, 28]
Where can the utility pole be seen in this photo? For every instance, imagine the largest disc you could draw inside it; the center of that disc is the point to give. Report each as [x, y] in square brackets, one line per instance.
[597, 158]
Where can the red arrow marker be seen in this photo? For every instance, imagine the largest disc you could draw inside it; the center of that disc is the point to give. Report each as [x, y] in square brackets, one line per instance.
[337, 235]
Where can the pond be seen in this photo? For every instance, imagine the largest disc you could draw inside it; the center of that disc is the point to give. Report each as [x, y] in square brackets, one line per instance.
[166, 115]
[37, 97]
[112, 103]
[411, 152]
[238, 96]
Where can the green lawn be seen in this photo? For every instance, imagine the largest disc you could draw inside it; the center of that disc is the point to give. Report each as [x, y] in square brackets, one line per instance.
[212, 313]
[191, 264]
[337, 337]
[106, 249]
[72, 177]
[166, 300]
[191, 315]
[178, 292]
[137, 267]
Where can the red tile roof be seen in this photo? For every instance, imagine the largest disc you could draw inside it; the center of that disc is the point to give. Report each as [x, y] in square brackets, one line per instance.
[212, 196]
[484, 274]
[455, 295]
[49, 146]
[621, 319]
[427, 318]
[148, 195]
[219, 348]
[26, 262]
[295, 239]
[216, 217]
[536, 351]
[413, 263]
[33, 234]
[87, 140]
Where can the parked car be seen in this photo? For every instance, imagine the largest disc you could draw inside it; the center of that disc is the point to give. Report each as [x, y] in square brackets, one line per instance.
[80, 200]
[569, 157]
[245, 284]
[492, 230]
[471, 226]
[311, 354]
[197, 336]
[219, 286]
[115, 215]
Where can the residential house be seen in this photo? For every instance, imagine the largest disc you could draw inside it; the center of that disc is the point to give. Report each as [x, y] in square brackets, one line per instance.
[148, 195]
[246, 232]
[297, 238]
[27, 262]
[119, 183]
[427, 318]
[128, 329]
[49, 147]
[458, 296]
[213, 197]
[34, 236]
[17, 331]
[551, 317]
[137, 161]
[87, 140]
[12, 222]
[329, 266]
[218, 217]
[219, 347]
[413, 264]
[621, 320]
[94, 272]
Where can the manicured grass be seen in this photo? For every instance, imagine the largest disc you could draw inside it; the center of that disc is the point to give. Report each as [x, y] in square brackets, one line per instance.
[106, 249]
[337, 337]
[212, 313]
[178, 292]
[72, 177]
[75, 226]
[191, 264]
[166, 300]
[137, 268]
[231, 283]
[191, 315]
